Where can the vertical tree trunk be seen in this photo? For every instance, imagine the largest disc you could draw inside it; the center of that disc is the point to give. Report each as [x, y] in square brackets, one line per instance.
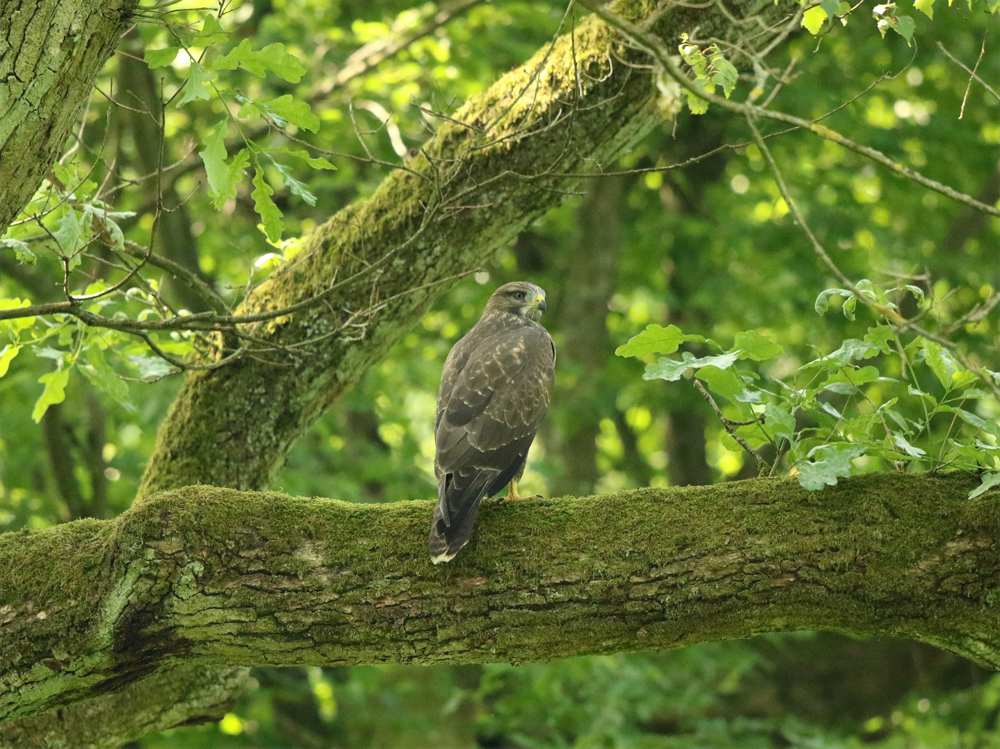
[50, 54]
[591, 275]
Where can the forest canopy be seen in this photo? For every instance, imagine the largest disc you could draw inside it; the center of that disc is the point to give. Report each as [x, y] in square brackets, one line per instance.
[237, 254]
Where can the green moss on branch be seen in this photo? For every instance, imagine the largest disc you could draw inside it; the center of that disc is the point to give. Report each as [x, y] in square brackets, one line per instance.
[216, 576]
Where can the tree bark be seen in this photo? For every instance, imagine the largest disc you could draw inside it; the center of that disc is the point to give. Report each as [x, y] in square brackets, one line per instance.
[209, 576]
[50, 54]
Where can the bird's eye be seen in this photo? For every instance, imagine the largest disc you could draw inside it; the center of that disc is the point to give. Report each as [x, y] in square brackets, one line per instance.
[519, 295]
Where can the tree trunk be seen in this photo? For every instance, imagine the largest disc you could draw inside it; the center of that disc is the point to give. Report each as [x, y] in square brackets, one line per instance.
[50, 54]
[583, 312]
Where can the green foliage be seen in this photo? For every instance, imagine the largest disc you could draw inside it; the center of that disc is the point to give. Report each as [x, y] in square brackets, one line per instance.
[709, 68]
[831, 411]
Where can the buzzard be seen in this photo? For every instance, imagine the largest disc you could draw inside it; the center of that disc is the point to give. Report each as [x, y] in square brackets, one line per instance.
[495, 389]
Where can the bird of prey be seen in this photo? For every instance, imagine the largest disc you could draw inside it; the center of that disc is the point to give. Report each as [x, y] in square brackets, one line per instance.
[495, 389]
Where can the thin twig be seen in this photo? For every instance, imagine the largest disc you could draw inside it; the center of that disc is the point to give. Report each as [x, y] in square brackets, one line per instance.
[728, 425]
[655, 46]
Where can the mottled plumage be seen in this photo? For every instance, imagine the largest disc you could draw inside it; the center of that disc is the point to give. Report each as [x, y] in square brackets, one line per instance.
[495, 389]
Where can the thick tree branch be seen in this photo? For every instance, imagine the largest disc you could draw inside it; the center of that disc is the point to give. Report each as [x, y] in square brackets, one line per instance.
[215, 576]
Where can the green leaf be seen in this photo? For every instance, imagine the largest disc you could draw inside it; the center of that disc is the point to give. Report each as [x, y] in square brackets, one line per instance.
[823, 300]
[880, 336]
[22, 252]
[69, 233]
[235, 167]
[835, 463]
[696, 104]
[940, 360]
[295, 111]
[269, 214]
[222, 177]
[258, 61]
[150, 367]
[97, 215]
[16, 324]
[725, 74]
[832, 7]
[905, 26]
[902, 444]
[722, 361]
[197, 86]
[300, 153]
[779, 422]
[7, 356]
[987, 425]
[102, 376]
[841, 388]
[321, 163]
[989, 481]
[725, 382]
[656, 339]
[753, 345]
[976, 393]
[160, 58]
[850, 378]
[666, 369]
[54, 392]
[894, 415]
[211, 32]
[671, 369]
[813, 19]
[926, 7]
[47, 352]
[296, 187]
[252, 109]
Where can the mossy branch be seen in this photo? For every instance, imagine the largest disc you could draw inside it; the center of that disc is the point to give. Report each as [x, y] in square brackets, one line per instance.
[224, 578]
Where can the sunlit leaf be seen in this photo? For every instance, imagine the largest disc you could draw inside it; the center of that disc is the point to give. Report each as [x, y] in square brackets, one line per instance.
[755, 346]
[656, 339]
[7, 355]
[160, 58]
[834, 463]
[269, 213]
[258, 61]
[54, 392]
[989, 481]
[198, 84]
[814, 18]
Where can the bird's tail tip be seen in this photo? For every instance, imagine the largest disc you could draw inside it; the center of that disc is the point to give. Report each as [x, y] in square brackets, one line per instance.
[441, 557]
[441, 548]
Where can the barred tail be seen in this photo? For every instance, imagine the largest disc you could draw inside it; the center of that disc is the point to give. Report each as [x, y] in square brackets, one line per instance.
[446, 540]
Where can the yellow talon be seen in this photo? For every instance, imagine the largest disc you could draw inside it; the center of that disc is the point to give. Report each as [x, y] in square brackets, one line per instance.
[512, 495]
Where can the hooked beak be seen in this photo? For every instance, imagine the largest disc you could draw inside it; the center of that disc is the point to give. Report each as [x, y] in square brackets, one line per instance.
[540, 303]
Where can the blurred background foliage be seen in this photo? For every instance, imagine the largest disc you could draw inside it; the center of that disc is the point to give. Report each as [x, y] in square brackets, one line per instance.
[709, 247]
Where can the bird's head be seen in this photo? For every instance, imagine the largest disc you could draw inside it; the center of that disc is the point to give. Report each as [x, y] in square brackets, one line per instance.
[520, 298]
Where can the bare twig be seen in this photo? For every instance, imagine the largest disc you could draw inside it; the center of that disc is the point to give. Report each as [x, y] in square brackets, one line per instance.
[728, 425]
[973, 76]
[655, 46]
